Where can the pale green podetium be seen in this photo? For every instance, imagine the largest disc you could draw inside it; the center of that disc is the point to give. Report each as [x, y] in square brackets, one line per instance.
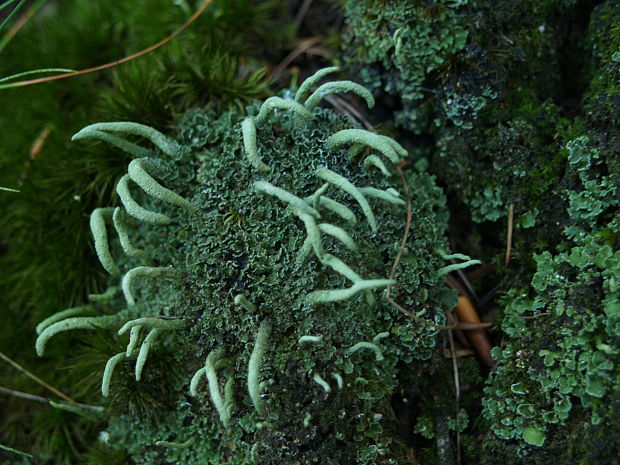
[260, 346]
[144, 272]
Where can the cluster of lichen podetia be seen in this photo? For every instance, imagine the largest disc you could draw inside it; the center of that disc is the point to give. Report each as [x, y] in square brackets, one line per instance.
[141, 172]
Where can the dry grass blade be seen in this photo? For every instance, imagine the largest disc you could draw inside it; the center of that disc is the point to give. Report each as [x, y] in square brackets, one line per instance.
[131, 57]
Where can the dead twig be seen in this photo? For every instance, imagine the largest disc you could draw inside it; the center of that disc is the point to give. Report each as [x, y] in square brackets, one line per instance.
[25, 395]
[35, 378]
[133, 56]
[511, 212]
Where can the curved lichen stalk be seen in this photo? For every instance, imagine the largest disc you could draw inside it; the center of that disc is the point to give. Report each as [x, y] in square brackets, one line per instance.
[304, 89]
[283, 104]
[383, 144]
[70, 324]
[260, 346]
[223, 405]
[123, 236]
[347, 186]
[285, 196]
[373, 160]
[134, 209]
[123, 144]
[110, 366]
[248, 131]
[335, 87]
[165, 144]
[138, 173]
[144, 272]
[98, 219]
[336, 295]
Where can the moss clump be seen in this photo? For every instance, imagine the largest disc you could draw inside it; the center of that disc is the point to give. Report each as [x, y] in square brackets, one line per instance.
[495, 93]
[543, 374]
[258, 270]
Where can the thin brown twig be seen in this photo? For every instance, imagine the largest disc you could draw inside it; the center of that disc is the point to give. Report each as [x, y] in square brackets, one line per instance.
[25, 395]
[133, 56]
[401, 248]
[304, 45]
[337, 101]
[35, 378]
[511, 212]
[457, 391]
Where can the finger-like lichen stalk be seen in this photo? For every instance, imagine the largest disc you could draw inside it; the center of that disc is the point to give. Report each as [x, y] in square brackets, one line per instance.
[240, 299]
[144, 272]
[457, 266]
[98, 219]
[177, 445]
[222, 405]
[383, 144]
[339, 234]
[135, 210]
[347, 186]
[138, 173]
[148, 342]
[456, 256]
[340, 267]
[165, 144]
[321, 382]
[336, 207]
[335, 87]
[285, 196]
[309, 339]
[387, 195]
[338, 379]
[123, 144]
[69, 324]
[105, 296]
[248, 130]
[154, 323]
[335, 295]
[304, 89]
[109, 369]
[368, 346]
[134, 337]
[260, 346]
[373, 160]
[58, 316]
[279, 102]
[123, 235]
[313, 233]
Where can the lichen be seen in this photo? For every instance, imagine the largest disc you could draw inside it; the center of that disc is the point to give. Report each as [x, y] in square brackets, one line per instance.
[243, 286]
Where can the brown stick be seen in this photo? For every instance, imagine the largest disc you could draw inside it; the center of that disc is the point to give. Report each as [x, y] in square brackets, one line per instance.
[511, 213]
[478, 337]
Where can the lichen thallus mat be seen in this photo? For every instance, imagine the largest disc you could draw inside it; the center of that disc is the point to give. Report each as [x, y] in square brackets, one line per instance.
[310, 209]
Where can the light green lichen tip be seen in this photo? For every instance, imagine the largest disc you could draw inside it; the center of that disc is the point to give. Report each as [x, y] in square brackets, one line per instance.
[383, 144]
[98, 219]
[336, 295]
[144, 272]
[138, 173]
[109, 369]
[304, 89]
[283, 104]
[317, 378]
[347, 186]
[135, 210]
[260, 346]
[123, 236]
[285, 196]
[338, 87]
[123, 144]
[165, 144]
[369, 346]
[70, 324]
[248, 131]
[58, 316]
